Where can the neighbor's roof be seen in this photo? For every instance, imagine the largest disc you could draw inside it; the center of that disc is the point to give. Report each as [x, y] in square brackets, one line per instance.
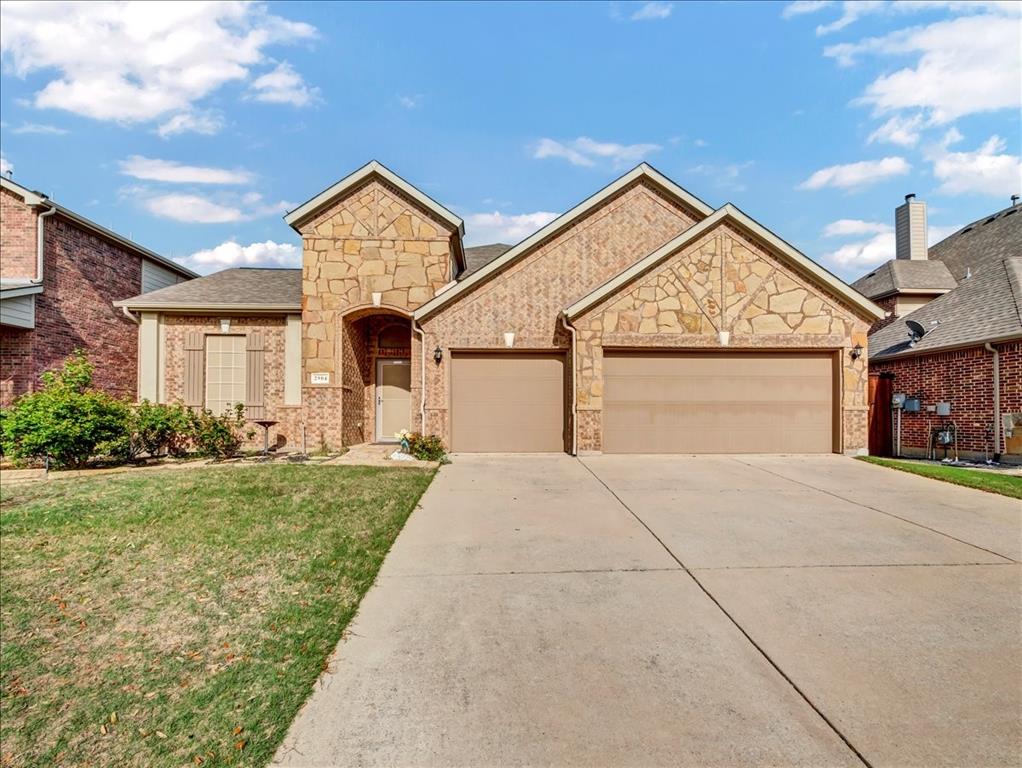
[984, 307]
[352, 180]
[641, 171]
[984, 243]
[799, 261]
[479, 256]
[238, 289]
[38, 198]
[905, 276]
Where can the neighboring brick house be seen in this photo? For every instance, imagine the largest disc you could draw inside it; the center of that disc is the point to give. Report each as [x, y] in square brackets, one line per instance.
[640, 320]
[60, 298]
[967, 301]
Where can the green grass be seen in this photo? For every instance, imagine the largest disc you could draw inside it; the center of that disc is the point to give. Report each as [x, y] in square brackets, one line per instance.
[994, 482]
[168, 618]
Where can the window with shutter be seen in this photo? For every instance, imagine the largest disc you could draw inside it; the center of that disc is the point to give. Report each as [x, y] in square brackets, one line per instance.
[194, 363]
[254, 375]
[225, 372]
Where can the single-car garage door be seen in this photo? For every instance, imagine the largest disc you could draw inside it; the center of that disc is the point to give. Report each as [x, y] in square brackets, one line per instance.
[507, 402]
[718, 402]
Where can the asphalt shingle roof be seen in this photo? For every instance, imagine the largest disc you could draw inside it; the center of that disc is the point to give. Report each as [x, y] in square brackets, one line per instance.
[479, 256]
[985, 306]
[905, 275]
[241, 286]
[984, 243]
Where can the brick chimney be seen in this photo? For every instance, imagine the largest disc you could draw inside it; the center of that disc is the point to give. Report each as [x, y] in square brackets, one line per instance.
[910, 229]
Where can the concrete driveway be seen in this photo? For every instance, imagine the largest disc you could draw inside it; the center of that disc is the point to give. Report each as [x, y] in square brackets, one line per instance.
[709, 611]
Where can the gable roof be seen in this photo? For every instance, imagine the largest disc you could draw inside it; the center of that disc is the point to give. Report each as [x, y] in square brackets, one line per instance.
[237, 289]
[352, 180]
[479, 256]
[984, 307]
[905, 276]
[984, 243]
[641, 171]
[728, 212]
[39, 199]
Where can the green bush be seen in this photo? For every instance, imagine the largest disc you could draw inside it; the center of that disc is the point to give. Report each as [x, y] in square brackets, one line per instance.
[162, 428]
[219, 437]
[426, 447]
[66, 420]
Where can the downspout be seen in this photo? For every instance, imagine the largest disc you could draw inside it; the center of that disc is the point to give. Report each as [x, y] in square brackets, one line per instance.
[132, 317]
[574, 387]
[422, 374]
[997, 399]
[40, 245]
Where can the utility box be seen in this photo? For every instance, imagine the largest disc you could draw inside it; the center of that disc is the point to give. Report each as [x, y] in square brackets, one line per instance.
[898, 400]
[911, 405]
[943, 409]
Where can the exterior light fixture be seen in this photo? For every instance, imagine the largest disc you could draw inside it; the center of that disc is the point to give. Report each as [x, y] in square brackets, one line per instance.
[509, 339]
[225, 325]
[856, 352]
[438, 355]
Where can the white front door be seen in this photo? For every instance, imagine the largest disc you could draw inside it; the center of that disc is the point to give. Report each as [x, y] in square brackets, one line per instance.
[393, 397]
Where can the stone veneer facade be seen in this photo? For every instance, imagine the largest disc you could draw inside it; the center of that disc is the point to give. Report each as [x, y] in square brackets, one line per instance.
[374, 240]
[725, 281]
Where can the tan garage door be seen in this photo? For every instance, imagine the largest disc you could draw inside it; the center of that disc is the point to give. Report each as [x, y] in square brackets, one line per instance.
[718, 403]
[507, 403]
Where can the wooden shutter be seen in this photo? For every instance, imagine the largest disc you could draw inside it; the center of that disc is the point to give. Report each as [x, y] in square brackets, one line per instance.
[254, 366]
[194, 368]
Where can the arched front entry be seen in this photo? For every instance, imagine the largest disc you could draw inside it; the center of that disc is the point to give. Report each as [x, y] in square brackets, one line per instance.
[376, 374]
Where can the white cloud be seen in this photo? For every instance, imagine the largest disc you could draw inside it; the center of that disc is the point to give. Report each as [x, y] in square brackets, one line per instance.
[38, 128]
[855, 175]
[850, 13]
[496, 227]
[726, 176]
[701, 143]
[5, 166]
[900, 130]
[232, 254]
[988, 170]
[151, 169]
[863, 254]
[192, 209]
[152, 60]
[206, 123]
[854, 228]
[282, 85]
[802, 7]
[410, 102]
[966, 65]
[584, 151]
[653, 10]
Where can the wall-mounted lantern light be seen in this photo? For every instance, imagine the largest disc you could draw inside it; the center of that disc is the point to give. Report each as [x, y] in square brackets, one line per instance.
[509, 339]
[856, 352]
[225, 325]
[438, 355]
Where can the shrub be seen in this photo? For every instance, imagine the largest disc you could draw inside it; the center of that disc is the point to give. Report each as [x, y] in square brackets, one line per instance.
[219, 437]
[426, 447]
[159, 428]
[66, 420]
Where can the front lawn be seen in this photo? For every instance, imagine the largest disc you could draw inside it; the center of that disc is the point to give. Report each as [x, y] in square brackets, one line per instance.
[167, 618]
[994, 482]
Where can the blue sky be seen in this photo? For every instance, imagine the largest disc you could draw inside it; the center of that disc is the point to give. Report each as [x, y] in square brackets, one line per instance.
[193, 126]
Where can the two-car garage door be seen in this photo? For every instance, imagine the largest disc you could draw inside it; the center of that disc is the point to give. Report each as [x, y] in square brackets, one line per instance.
[716, 402]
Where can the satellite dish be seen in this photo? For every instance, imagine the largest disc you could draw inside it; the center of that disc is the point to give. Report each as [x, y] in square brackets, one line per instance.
[915, 330]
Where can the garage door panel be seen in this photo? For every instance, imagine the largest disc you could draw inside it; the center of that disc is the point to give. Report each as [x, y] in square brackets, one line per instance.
[718, 403]
[507, 402]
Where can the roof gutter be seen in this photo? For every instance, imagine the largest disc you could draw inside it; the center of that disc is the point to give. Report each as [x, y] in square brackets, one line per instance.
[916, 352]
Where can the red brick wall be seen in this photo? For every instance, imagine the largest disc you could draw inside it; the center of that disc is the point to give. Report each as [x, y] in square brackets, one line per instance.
[84, 274]
[965, 379]
[16, 359]
[17, 237]
[887, 304]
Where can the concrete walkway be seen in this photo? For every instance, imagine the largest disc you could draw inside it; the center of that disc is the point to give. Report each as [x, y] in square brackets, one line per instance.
[710, 611]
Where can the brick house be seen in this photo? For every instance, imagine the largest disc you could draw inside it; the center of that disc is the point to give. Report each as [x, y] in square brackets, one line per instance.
[965, 295]
[640, 320]
[59, 276]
